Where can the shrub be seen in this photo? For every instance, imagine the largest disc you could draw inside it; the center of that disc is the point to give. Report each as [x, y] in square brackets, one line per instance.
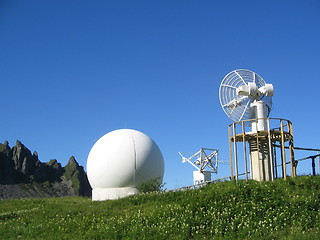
[152, 185]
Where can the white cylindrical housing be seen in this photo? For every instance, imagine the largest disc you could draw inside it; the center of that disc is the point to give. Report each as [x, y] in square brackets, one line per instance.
[259, 152]
[120, 161]
[259, 111]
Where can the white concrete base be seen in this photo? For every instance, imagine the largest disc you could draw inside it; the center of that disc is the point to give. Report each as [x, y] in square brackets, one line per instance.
[101, 194]
[201, 177]
[260, 162]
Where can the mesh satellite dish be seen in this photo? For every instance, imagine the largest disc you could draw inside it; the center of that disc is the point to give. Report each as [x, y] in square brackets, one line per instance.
[245, 95]
[247, 99]
[239, 93]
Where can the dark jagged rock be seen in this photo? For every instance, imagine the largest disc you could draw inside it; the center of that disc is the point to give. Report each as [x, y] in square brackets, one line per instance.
[78, 178]
[6, 164]
[24, 161]
[5, 149]
[51, 171]
[22, 174]
[56, 169]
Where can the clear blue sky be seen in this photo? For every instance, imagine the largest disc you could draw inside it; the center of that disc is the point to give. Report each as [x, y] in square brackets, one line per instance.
[71, 71]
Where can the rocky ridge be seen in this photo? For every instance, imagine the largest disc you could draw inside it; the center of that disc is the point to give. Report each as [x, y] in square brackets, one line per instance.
[22, 174]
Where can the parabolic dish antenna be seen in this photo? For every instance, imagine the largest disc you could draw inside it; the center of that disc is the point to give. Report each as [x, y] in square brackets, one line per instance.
[239, 89]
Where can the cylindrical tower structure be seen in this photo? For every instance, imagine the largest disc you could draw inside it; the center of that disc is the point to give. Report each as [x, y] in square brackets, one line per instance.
[260, 155]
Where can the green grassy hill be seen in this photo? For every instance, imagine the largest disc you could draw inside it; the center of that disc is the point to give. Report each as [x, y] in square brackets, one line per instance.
[227, 210]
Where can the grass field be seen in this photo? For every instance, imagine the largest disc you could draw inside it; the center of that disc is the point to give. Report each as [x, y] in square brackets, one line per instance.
[228, 210]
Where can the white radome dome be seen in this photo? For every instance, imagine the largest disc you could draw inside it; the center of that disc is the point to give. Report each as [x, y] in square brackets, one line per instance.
[120, 161]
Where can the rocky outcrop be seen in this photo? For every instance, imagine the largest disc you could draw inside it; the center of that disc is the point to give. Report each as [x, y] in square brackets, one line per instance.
[23, 160]
[51, 171]
[78, 178]
[6, 163]
[22, 174]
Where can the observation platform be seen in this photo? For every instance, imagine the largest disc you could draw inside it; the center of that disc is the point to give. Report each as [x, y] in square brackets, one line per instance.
[274, 135]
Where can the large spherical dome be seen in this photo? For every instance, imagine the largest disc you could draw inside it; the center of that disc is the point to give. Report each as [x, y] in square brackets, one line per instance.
[124, 158]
